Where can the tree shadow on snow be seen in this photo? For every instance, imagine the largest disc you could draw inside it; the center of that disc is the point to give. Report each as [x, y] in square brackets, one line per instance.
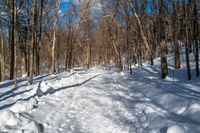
[130, 102]
[11, 94]
[40, 93]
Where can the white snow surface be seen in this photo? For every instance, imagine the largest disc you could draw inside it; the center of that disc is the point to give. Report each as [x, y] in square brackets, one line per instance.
[102, 101]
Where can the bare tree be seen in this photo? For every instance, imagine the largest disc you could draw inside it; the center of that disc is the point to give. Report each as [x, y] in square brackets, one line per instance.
[40, 39]
[55, 20]
[141, 29]
[2, 62]
[14, 41]
[186, 40]
[196, 35]
[34, 29]
[175, 35]
[163, 45]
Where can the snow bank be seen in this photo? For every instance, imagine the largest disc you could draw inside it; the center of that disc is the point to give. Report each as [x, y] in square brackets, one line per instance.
[17, 123]
[15, 120]
[44, 87]
[176, 129]
[23, 106]
[193, 112]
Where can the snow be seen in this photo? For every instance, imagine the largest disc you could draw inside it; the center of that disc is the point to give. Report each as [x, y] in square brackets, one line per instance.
[102, 101]
[17, 123]
[176, 129]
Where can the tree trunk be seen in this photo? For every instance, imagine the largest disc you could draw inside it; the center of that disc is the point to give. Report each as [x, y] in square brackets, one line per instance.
[34, 28]
[2, 59]
[196, 36]
[163, 46]
[58, 55]
[2, 62]
[175, 36]
[186, 40]
[14, 41]
[40, 40]
[11, 40]
[88, 53]
[142, 33]
[55, 20]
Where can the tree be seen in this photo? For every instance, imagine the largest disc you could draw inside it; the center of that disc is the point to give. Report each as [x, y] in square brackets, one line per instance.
[70, 38]
[34, 29]
[14, 41]
[163, 46]
[40, 39]
[55, 20]
[146, 44]
[115, 35]
[196, 36]
[186, 40]
[175, 35]
[2, 62]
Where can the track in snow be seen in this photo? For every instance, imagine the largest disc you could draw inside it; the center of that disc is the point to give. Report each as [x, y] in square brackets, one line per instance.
[100, 101]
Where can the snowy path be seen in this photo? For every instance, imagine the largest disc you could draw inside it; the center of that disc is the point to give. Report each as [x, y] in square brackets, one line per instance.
[100, 101]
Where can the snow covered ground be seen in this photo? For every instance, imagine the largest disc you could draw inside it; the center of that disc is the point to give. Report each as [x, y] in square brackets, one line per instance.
[101, 101]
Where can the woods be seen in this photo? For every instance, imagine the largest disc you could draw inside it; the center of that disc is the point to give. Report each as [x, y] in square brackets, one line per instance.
[41, 36]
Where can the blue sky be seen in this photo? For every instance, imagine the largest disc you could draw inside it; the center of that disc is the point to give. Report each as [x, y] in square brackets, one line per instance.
[65, 4]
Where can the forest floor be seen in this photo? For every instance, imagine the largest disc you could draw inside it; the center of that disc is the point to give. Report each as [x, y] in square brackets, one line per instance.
[103, 101]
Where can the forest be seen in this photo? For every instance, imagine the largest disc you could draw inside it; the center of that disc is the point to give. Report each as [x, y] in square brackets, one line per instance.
[38, 36]
[99, 66]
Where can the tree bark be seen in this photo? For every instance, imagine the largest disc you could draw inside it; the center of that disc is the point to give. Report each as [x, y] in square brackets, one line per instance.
[34, 28]
[186, 40]
[175, 36]
[196, 36]
[163, 46]
[55, 20]
[11, 40]
[14, 41]
[40, 39]
[146, 44]
[2, 62]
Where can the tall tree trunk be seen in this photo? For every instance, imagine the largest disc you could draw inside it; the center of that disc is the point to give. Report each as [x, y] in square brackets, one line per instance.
[55, 20]
[146, 44]
[163, 46]
[11, 40]
[2, 68]
[88, 63]
[14, 41]
[116, 38]
[196, 36]
[175, 36]
[186, 40]
[40, 40]
[1, 56]
[34, 28]
[58, 54]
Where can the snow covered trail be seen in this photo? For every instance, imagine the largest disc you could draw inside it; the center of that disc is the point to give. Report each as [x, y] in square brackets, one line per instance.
[101, 101]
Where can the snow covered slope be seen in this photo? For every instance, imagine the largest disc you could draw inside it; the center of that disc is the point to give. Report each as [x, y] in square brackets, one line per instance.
[101, 101]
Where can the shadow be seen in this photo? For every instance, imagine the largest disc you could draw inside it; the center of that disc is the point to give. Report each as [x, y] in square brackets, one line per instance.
[11, 83]
[14, 94]
[184, 92]
[120, 93]
[168, 86]
[60, 77]
[39, 92]
[163, 130]
[7, 93]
